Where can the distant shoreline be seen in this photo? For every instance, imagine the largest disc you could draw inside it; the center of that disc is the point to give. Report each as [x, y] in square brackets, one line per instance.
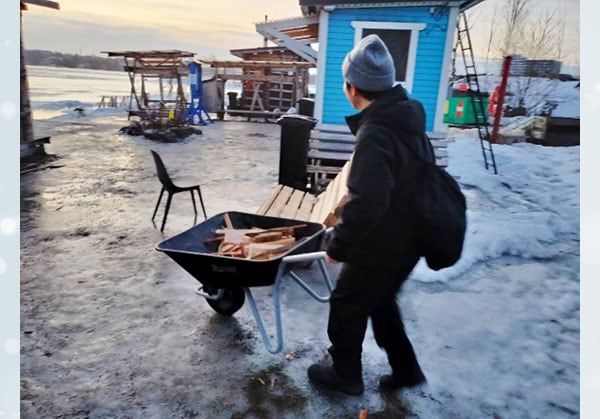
[58, 59]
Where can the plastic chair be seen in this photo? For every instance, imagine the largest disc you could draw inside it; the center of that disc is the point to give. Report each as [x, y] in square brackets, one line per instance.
[171, 188]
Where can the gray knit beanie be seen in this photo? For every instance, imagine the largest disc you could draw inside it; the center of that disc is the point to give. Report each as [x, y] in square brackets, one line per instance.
[369, 66]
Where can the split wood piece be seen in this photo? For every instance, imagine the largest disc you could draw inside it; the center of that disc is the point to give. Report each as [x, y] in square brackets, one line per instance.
[231, 249]
[282, 229]
[264, 251]
[266, 237]
[227, 220]
[232, 235]
[235, 236]
[220, 233]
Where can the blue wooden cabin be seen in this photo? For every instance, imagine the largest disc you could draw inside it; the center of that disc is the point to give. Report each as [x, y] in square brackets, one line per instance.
[419, 34]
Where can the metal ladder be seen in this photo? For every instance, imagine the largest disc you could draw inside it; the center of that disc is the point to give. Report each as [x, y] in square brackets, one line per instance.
[464, 42]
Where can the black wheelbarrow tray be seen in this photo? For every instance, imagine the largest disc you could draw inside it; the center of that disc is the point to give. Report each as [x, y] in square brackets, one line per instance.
[226, 281]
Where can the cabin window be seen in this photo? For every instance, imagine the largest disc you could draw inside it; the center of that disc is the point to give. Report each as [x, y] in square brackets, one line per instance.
[401, 39]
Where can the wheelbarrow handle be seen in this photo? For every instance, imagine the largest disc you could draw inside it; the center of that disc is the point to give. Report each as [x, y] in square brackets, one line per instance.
[304, 257]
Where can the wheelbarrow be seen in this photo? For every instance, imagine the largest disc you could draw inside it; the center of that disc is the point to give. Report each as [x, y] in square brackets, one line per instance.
[226, 281]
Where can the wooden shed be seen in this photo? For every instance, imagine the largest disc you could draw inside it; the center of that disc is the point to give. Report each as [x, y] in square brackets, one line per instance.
[419, 34]
[157, 69]
[269, 88]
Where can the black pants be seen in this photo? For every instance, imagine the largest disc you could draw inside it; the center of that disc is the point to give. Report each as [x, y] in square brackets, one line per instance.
[361, 293]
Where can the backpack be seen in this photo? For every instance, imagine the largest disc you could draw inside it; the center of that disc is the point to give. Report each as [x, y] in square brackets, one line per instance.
[439, 210]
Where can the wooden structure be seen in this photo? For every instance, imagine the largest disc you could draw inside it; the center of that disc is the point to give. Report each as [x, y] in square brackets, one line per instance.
[270, 88]
[159, 70]
[30, 146]
[295, 34]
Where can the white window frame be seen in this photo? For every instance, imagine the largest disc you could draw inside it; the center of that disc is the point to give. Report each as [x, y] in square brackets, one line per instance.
[414, 28]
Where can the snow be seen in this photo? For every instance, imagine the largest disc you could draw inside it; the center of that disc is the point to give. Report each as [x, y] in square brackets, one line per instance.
[536, 92]
[497, 334]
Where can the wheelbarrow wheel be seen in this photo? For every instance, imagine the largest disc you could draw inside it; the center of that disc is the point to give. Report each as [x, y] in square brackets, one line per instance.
[230, 302]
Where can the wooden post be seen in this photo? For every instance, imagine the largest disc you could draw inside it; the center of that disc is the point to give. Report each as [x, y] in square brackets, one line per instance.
[29, 146]
[501, 94]
[26, 118]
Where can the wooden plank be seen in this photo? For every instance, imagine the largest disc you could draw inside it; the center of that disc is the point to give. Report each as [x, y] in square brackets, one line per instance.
[330, 145]
[334, 128]
[280, 202]
[328, 201]
[329, 170]
[306, 207]
[341, 188]
[264, 208]
[291, 207]
[320, 135]
[314, 216]
[44, 3]
[329, 155]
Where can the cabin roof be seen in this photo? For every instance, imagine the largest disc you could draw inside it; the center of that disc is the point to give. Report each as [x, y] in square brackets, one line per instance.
[150, 54]
[463, 4]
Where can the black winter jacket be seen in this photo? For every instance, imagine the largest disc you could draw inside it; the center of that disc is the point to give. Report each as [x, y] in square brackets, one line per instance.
[375, 228]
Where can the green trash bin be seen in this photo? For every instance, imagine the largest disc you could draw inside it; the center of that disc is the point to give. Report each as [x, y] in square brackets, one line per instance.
[459, 110]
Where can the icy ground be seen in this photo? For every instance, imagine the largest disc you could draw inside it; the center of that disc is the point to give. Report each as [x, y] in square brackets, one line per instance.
[112, 328]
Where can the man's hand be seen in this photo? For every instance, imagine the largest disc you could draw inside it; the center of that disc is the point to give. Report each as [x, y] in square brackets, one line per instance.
[328, 259]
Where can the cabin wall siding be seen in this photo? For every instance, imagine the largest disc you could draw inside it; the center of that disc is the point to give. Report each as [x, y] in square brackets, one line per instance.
[429, 56]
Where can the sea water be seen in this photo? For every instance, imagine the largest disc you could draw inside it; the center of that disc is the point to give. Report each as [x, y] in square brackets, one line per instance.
[55, 91]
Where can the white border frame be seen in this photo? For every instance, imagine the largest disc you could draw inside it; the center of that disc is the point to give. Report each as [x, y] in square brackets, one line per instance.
[414, 28]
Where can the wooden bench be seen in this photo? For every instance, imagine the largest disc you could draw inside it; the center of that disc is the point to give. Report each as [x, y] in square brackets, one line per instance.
[286, 202]
[331, 146]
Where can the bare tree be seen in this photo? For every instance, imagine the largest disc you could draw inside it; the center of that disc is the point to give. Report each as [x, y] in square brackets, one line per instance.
[491, 40]
[545, 35]
[515, 15]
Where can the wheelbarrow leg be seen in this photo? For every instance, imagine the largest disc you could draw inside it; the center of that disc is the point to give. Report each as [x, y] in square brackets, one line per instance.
[259, 322]
[320, 258]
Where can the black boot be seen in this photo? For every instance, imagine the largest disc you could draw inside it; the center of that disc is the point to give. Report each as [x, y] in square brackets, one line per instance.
[399, 380]
[325, 376]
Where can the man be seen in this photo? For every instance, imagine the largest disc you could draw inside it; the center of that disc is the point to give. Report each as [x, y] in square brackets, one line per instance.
[375, 238]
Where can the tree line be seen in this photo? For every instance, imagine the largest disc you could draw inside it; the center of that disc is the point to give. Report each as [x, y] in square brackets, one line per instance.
[58, 59]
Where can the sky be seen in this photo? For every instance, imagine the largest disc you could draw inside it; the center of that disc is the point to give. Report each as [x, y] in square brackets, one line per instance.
[202, 27]
[209, 29]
